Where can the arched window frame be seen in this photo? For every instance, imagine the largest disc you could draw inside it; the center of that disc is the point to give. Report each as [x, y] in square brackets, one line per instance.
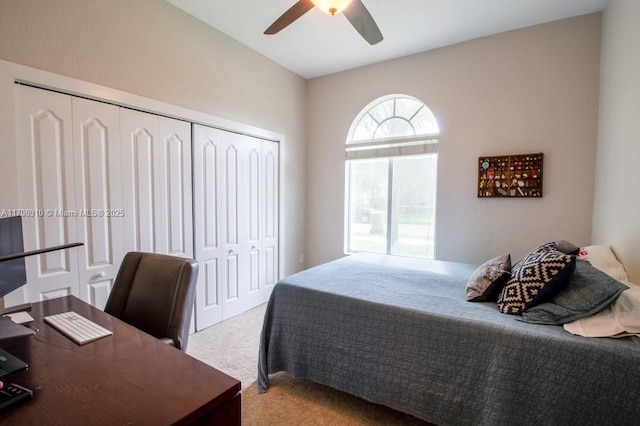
[422, 122]
[366, 141]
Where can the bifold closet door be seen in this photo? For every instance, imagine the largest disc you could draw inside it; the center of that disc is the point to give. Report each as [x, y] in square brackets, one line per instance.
[100, 216]
[235, 222]
[208, 149]
[46, 192]
[234, 225]
[250, 242]
[220, 187]
[156, 153]
[261, 215]
[270, 218]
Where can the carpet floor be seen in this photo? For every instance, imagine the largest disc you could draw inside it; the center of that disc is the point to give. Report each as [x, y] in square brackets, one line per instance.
[232, 347]
[290, 401]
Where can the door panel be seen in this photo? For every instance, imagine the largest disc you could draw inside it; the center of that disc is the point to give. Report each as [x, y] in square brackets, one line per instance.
[139, 135]
[98, 185]
[46, 193]
[157, 183]
[253, 200]
[233, 225]
[254, 270]
[208, 149]
[174, 166]
[270, 215]
[231, 188]
[235, 186]
[99, 290]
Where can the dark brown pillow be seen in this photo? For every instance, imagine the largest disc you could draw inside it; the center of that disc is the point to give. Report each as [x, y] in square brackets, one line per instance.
[487, 280]
[566, 247]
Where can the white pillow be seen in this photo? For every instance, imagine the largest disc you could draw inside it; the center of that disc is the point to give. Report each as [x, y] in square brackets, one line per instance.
[620, 319]
[601, 257]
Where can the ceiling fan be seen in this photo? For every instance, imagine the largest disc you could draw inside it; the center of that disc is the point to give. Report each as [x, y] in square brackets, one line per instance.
[355, 12]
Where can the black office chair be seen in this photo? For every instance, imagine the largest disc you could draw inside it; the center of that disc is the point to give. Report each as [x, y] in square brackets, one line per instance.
[155, 293]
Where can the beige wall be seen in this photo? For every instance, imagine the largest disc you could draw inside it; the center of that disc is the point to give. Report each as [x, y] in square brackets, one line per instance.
[617, 187]
[153, 49]
[530, 90]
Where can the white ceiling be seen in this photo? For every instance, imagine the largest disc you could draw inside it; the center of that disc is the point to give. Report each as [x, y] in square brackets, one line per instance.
[319, 44]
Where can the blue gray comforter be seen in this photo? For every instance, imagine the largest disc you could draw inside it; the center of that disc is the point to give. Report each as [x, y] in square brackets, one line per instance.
[399, 332]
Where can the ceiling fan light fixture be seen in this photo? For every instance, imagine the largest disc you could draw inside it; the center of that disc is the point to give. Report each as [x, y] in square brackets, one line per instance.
[331, 6]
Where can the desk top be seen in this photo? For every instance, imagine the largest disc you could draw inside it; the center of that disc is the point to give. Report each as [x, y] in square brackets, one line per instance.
[127, 378]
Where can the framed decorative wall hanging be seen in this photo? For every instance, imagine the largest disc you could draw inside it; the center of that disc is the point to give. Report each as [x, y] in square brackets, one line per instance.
[510, 176]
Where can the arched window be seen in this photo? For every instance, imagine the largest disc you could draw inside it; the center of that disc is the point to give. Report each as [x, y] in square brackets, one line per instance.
[391, 168]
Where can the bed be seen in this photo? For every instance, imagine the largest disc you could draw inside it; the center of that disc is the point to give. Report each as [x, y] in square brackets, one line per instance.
[399, 332]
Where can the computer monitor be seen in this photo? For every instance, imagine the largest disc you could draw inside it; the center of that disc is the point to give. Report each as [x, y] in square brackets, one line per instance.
[13, 273]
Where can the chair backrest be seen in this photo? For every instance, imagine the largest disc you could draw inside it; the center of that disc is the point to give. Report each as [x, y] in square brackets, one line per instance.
[155, 293]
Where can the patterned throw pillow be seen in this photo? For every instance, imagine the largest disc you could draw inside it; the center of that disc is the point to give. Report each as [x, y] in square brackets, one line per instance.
[535, 278]
[487, 280]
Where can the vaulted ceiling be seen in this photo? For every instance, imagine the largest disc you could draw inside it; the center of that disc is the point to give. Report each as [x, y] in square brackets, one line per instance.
[317, 43]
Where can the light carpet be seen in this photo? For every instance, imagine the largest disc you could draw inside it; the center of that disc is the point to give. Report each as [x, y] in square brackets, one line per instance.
[231, 346]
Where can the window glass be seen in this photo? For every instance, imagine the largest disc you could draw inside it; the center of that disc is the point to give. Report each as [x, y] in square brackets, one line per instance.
[413, 207]
[394, 127]
[407, 108]
[368, 207]
[365, 129]
[425, 123]
[383, 110]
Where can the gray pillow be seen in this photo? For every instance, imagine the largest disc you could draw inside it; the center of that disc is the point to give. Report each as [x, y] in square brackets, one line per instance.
[566, 247]
[588, 291]
[488, 279]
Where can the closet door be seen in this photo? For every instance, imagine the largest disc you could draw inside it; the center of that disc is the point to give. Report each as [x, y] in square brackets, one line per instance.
[270, 217]
[46, 193]
[176, 224]
[233, 227]
[156, 153]
[208, 149]
[236, 222]
[253, 200]
[96, 141]
[263, 224]
[140, 180]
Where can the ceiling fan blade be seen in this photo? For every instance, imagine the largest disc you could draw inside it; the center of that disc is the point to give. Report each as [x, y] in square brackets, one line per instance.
[363, 22]
[294, 12]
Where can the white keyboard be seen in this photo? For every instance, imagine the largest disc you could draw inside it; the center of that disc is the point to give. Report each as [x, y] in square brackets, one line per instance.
[76, 327]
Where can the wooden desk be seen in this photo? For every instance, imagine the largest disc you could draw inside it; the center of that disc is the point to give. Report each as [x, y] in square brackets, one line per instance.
[128, 378]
